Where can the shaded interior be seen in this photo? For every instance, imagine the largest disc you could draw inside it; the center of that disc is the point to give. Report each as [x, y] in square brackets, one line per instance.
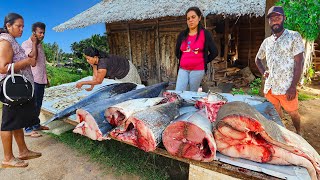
[130, 127]
[128, 133]
[116, 118]
[206, 149]
[120, 118]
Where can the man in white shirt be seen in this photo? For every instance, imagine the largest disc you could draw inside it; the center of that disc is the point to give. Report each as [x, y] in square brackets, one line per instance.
[283, 52]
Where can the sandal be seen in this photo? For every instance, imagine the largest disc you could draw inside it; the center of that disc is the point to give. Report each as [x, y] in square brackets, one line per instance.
[14, 163]
[41, 128]
[33, 134]
[30, 155]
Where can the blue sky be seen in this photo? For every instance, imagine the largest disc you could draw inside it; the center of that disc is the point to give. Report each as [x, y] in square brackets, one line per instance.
[52, 13]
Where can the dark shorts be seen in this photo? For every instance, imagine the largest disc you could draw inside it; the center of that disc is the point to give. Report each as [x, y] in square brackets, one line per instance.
[19, 116]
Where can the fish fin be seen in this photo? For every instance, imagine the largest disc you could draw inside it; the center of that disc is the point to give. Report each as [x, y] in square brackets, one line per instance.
[49, 121]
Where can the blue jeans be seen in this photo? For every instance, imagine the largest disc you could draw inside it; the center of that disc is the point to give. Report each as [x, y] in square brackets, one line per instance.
[38, 97]
[191, 78]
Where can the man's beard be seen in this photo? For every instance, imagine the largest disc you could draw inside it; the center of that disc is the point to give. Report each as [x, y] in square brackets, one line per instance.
[277, 30]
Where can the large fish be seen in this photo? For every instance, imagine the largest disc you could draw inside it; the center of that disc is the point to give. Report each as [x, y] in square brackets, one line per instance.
[190, 136]
[144, 128]
[93, 114]
[241, 131]
[103, 93]
[118, 113]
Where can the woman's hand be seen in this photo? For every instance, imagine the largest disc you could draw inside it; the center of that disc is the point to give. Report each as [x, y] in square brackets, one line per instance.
[32, 60]
[89, 89]
[48, 83]
[79, 85]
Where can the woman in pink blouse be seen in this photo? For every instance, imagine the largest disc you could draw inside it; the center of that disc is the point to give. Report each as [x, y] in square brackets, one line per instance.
[194, 49]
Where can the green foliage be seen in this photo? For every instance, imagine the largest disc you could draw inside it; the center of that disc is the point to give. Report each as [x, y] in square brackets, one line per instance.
[82, 64]
[305, 97]
[237, 91]
[62, 75]
[121, 158]
[311, 72]
[302, 16]
[255, 87]
[309, 75]
[96, 41]
[52, 51]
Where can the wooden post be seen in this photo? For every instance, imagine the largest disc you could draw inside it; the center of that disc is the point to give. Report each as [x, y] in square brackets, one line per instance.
[205, 22]
[157, 51]
[250, 42]
[267, 29]
[267, 33]
[226, 40]
[129, 41]
[108, 38]
[237, 42]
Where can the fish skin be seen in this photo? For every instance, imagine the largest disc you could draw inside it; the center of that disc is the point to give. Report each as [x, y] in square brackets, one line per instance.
[144, 128]
[104, 92]
[190, 136]
[96, 111]
[245, 119]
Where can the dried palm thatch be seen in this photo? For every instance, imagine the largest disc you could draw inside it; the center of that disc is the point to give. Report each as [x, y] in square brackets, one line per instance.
[108, 11]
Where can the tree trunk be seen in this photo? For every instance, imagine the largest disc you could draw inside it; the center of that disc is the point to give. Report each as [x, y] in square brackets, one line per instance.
[309, 48]
[267, 33]
[267, 29]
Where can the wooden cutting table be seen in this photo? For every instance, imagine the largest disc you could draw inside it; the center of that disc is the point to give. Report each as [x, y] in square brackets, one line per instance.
[225, 167]
[214, 169]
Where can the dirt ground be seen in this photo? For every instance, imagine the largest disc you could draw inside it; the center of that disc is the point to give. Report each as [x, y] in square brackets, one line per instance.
[57, 162]
[61, 162]
[310, 118]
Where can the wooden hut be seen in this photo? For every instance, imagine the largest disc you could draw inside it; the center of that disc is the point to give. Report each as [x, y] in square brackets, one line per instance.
[145, 32]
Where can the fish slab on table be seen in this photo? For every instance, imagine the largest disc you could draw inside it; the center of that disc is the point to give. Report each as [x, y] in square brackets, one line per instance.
[241, 131]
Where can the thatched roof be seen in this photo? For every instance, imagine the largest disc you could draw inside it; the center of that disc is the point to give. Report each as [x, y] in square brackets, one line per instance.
[108, 11]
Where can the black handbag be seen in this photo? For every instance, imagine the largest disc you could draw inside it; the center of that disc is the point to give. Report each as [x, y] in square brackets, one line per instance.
[16, 89]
